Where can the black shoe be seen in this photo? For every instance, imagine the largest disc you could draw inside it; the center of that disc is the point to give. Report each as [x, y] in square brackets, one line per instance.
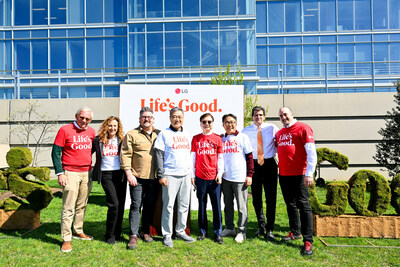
[270, 236]
[291, 237]
[218, 239]
[307, 250]
[260, 232]
[201, 237]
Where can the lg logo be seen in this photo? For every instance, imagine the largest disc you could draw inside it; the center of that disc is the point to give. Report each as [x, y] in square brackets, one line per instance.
[181, 91]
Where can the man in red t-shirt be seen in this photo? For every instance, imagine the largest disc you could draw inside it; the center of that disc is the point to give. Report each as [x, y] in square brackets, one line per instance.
[297, 161]
[208, 166]
[72, 160]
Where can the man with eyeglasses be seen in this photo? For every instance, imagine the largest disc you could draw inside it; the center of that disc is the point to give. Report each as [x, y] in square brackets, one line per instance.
[208, 167]
[72, 160]
[137, 160]
[262, 138]
[238, 172]
[174, 171]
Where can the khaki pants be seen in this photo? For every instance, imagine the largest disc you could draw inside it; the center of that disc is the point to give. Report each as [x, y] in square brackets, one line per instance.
[75, 197]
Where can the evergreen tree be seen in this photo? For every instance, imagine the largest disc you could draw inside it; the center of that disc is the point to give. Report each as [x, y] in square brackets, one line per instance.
[388, 149]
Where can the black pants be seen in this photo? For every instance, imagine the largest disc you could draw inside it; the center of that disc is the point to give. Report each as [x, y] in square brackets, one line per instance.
[114, 185]
[142, 195]
[267, 176]
[296, 197]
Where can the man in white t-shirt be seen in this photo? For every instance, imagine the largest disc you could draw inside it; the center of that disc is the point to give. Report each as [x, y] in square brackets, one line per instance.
[174, 169]
[238, 172]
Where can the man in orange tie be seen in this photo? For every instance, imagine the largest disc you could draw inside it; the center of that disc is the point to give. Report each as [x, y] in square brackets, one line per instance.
[262, 136]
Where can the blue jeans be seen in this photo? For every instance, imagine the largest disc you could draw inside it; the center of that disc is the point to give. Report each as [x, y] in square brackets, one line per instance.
[213, 189]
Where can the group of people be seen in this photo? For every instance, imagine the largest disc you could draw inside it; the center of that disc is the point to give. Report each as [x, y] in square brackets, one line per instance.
[146, 158]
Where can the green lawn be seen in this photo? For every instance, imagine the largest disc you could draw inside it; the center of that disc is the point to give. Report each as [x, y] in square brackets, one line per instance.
[42, 246]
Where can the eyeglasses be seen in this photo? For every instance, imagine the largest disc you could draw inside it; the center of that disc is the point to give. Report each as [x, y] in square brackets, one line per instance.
[229, 122]
[84, 118]
[146, 117]
[206, 122]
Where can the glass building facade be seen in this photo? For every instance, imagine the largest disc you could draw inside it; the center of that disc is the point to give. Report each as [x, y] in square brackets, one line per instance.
[87, 48]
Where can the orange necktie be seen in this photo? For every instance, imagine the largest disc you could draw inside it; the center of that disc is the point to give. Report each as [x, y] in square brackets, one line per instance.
[260, 147]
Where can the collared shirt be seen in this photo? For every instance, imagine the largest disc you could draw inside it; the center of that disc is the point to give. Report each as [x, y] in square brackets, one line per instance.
[268, 131]
[137, 153]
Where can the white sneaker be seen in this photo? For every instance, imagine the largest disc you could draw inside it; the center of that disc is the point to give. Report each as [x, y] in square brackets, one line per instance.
[228, 232]
[240, 237]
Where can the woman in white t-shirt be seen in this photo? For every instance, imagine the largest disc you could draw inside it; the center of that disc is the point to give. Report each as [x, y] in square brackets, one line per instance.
[107, 171]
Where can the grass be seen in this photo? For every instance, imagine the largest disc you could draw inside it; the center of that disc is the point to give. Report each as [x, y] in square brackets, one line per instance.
[41, 247]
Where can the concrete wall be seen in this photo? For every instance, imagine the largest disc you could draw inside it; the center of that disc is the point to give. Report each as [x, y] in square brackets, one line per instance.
[347, 123]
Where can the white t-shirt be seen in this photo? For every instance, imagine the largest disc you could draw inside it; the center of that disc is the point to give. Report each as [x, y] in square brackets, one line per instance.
[176, 147]
[110, 161]
[235, 149]
[268, 131]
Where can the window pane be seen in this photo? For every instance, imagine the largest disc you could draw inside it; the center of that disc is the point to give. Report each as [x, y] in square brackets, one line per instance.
[246, 7]
[111, 91]
[262, 60]
[227, 7]
[7, 56]
[136, 9]
[5, 6]
[311, 55]
[380, 14]
[327, 15]
[228, 48]
[173, 56]
[275, 16]
[58, 54]
[113, 11]
[94, 54]
[93, 91]
[76, 56]
[22, 55]
[292, 14]
[246, 48]
[154, 50]
[191, 49]
[381, 52]
[154, 8]
[345, 15]
[172, 8]
[40, 93]
[115, 53]
[76, 92]
[58, 10]
[276, 56]
[310, 14]
[190, 7]
[293, 56]
[363, 11]
[209, 7]
[363, 54]
[39, 55]
[75, 11]
[94, 11]
[394, 14]
[209, 48]
[261, 17]
[22, 12]
[137, 50]
[346, 54]
[39, 12]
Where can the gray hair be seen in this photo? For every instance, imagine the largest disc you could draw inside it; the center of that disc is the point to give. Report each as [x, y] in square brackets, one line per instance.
[145, 109]
[175, 109]
[84, 109]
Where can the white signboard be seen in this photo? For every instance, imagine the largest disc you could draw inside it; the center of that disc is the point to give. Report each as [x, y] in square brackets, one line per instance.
[195, 100]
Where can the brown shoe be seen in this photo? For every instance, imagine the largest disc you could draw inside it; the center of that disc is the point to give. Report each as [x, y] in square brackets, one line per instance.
[82, 236]
[66, 246]
[132, 242]
[146, 237]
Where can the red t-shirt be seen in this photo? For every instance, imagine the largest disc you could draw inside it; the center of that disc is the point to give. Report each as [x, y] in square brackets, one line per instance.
[77, 147]
[291, 152]
[207, 148]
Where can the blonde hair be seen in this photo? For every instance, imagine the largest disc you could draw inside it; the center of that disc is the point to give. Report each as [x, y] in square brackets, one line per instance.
[103, 130]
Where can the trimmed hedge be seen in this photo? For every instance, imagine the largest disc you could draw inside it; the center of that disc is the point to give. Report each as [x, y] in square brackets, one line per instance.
[42, 174]
[336, 200]
[379, 193]
[395, 187]
[19, 157]
[337, 159]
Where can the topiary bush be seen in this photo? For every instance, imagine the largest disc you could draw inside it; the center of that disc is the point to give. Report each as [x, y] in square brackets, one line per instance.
[336, 200]
[379, 196]
[337, 159]
[14, 179]
[395, 188]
